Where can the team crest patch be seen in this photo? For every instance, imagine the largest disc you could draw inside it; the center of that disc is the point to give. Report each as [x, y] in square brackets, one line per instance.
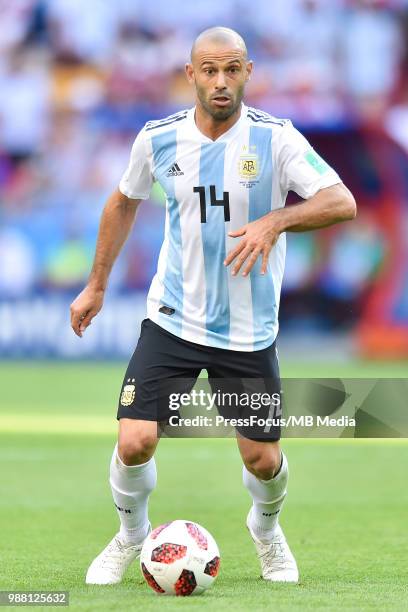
[248, 166]
[128, 393]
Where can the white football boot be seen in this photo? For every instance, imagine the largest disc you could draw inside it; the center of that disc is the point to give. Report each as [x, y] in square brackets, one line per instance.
[111, 564]
[277, 562]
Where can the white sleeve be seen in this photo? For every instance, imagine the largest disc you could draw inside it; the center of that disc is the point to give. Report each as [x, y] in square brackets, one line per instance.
[300, 168]
[137, 180]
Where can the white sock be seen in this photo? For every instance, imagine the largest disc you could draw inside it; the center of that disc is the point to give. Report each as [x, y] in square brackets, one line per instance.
[268, 497]
[131, 487]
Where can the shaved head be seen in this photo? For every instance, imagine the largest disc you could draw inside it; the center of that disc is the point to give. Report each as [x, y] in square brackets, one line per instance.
[219, 36]
[219, 70]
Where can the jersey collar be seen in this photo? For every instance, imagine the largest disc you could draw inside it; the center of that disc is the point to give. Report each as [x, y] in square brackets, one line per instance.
[225, 136]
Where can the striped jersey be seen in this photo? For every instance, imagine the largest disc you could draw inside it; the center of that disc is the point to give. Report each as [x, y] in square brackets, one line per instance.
[212, 188]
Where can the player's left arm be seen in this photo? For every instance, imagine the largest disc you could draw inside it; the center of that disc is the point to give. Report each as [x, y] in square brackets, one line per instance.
[300, 169]
[328, 206]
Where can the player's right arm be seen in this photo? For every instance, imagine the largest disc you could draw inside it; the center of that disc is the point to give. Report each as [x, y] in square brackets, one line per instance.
[116, 222]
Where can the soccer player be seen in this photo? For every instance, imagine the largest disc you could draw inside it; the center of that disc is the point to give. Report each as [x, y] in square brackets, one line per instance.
[213, 304]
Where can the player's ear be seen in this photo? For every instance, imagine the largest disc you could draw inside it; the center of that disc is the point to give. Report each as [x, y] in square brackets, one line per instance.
[249, 66]
[189, 72]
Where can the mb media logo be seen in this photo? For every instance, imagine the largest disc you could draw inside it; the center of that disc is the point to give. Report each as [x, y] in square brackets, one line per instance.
[174, 170]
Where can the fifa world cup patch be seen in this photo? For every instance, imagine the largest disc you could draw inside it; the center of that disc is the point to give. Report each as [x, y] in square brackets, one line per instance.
[314, 160]
[128, 394]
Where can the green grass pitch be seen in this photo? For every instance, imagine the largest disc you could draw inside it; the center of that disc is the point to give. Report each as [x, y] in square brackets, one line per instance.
[345, 516]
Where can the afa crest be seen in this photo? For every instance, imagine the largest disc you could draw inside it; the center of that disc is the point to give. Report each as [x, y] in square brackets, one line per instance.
[128, 394]
[248, 166]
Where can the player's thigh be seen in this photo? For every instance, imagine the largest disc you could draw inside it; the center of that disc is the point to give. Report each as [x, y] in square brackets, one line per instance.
[162, 364]
[252, 380]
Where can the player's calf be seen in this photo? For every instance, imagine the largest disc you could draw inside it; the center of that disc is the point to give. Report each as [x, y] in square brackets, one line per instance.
[132, 480]
[268, 494]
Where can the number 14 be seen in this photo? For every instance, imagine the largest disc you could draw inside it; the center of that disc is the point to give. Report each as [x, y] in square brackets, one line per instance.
[213, 201]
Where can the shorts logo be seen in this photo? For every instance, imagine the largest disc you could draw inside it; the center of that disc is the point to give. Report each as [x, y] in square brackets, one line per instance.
[128, 393]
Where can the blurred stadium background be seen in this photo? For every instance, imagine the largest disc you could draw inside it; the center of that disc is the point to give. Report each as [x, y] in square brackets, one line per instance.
[79, 79]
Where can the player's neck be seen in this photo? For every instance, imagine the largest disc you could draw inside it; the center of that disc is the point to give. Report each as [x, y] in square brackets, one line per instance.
[212, 128]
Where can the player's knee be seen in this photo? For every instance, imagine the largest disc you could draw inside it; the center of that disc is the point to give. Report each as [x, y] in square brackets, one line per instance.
[263, 464]
[134, 451]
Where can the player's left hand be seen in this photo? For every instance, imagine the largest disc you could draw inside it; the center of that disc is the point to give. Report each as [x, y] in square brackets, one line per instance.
[259, 238]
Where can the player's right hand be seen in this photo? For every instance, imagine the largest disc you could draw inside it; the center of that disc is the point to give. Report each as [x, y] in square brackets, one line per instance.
[84, 308]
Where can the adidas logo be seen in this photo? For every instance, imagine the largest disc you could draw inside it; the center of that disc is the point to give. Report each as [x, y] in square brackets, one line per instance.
[174, 170]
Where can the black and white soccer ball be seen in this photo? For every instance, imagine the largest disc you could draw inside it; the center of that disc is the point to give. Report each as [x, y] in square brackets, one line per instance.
[180, 558]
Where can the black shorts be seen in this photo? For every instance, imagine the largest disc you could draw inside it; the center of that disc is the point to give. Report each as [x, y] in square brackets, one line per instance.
[246, 385]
